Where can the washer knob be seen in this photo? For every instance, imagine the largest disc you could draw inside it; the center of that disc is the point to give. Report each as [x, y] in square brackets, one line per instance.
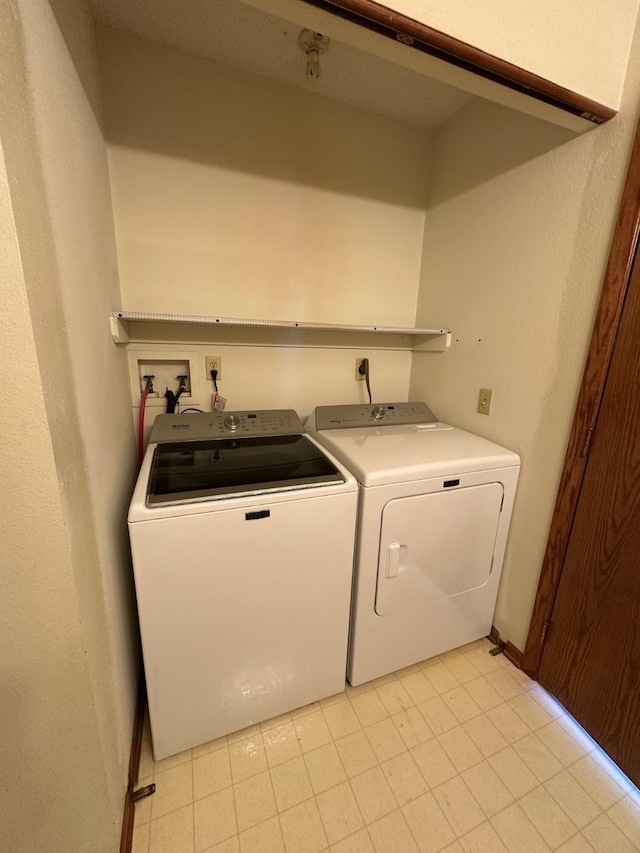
[232, 422]
[377, 412]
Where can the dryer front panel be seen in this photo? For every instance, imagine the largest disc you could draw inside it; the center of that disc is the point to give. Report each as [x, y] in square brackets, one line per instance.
[435, 546]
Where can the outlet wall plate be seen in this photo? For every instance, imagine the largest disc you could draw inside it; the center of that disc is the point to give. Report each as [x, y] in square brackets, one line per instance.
[213, 362]
[484, 401]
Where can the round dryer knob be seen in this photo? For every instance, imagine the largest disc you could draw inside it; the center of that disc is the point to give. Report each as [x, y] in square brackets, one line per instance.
[377, 412]
[232, 422]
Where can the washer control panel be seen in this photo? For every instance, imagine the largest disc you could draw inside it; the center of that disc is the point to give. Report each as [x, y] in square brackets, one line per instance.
[199, 426]
[378, 414]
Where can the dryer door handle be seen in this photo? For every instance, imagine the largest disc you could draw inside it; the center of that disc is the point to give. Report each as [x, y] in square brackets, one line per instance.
[394, 554]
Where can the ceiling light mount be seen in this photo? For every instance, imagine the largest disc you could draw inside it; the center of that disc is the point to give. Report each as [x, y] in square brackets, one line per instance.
[313, 45]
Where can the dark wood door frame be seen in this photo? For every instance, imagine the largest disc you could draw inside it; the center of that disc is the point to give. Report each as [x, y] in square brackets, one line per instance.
[614, 290]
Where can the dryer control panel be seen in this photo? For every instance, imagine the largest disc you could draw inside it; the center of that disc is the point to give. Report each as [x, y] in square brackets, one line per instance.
[199, 426]
[373, 414]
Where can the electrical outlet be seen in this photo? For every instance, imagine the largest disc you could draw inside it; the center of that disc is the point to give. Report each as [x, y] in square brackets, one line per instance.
[359, 376]
[484, 401]
[213, 362]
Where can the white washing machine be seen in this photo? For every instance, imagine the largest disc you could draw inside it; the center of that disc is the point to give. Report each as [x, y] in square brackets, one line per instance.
[434, 512]
[242, 534]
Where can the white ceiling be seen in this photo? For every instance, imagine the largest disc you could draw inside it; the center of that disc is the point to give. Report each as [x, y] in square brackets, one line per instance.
[241, 35]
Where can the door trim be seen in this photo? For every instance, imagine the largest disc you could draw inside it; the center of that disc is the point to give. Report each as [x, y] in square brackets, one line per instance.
[418, 36]
[614, 290]
[128, 811]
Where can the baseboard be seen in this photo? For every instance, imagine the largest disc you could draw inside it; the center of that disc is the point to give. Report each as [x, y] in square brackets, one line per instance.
[511, 652]
[126, 836]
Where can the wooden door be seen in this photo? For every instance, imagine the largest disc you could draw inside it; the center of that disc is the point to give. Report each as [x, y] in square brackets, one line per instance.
[591, 656]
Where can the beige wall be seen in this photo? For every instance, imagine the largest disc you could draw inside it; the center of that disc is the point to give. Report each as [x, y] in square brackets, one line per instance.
[56, 162]
[516, 242]
[238, 196]
[54, 795]
[271, 376]
[580, 44]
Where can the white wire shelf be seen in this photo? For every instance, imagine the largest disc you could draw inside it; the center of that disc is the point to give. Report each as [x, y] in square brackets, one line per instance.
[431, 338]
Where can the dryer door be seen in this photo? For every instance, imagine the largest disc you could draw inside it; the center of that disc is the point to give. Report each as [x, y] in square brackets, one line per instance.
[437, 545]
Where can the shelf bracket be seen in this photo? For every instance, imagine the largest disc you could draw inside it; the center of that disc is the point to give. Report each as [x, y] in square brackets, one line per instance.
[119, 330]
[432, 343]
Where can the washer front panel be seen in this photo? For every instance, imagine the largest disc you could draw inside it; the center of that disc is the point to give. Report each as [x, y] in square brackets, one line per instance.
[244, 612]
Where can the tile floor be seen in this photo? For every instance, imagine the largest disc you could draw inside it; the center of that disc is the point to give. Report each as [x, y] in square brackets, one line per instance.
[462, 753]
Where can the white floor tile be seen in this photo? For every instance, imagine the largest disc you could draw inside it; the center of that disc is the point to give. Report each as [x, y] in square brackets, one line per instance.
[548, 818]
[211, 773]
[517, 832]
[573, 799]
[462, 753]
[215, 819]
[357, 843]
[404, 778]
[394, 697]
[513, 772]
[485, 735]
[385, 740]
[369, 708]
[248, 757]
[291, 784]
[281, 744]
[483, 693]
[254, 801]
[339, 812]
[488, 789]
[605, 837]
[174, 789]
[596, 781]
[173, 833]
[264, 838]
[391, 834]
[542, 763]
[140, 842]
[461, 750]
[459, 806]
[428, 824]
[626, 816]
[433, 762]
[356, 754]
[482, 839]
[302, 829]
[373, 794]
[325, 768]
[312, 731]
[412, 727]
[418, 687]
[438, 715]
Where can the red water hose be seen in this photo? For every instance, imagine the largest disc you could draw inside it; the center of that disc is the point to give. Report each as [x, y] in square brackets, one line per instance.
[143, 402]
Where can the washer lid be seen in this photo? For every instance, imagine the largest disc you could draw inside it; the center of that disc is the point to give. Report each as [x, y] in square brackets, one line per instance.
[400, 454]
[184, 472]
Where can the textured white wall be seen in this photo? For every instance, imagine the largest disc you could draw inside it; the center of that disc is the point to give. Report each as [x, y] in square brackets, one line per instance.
[54, 797]
[580, 44]
[238, 196]
[56, 161]
[516, 243]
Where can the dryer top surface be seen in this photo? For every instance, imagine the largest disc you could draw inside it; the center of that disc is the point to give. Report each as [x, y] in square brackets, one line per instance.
[396, 454]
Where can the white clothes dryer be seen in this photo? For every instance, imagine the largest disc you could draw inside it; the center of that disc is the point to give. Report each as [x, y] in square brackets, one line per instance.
[434, 512]
[242, 534]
